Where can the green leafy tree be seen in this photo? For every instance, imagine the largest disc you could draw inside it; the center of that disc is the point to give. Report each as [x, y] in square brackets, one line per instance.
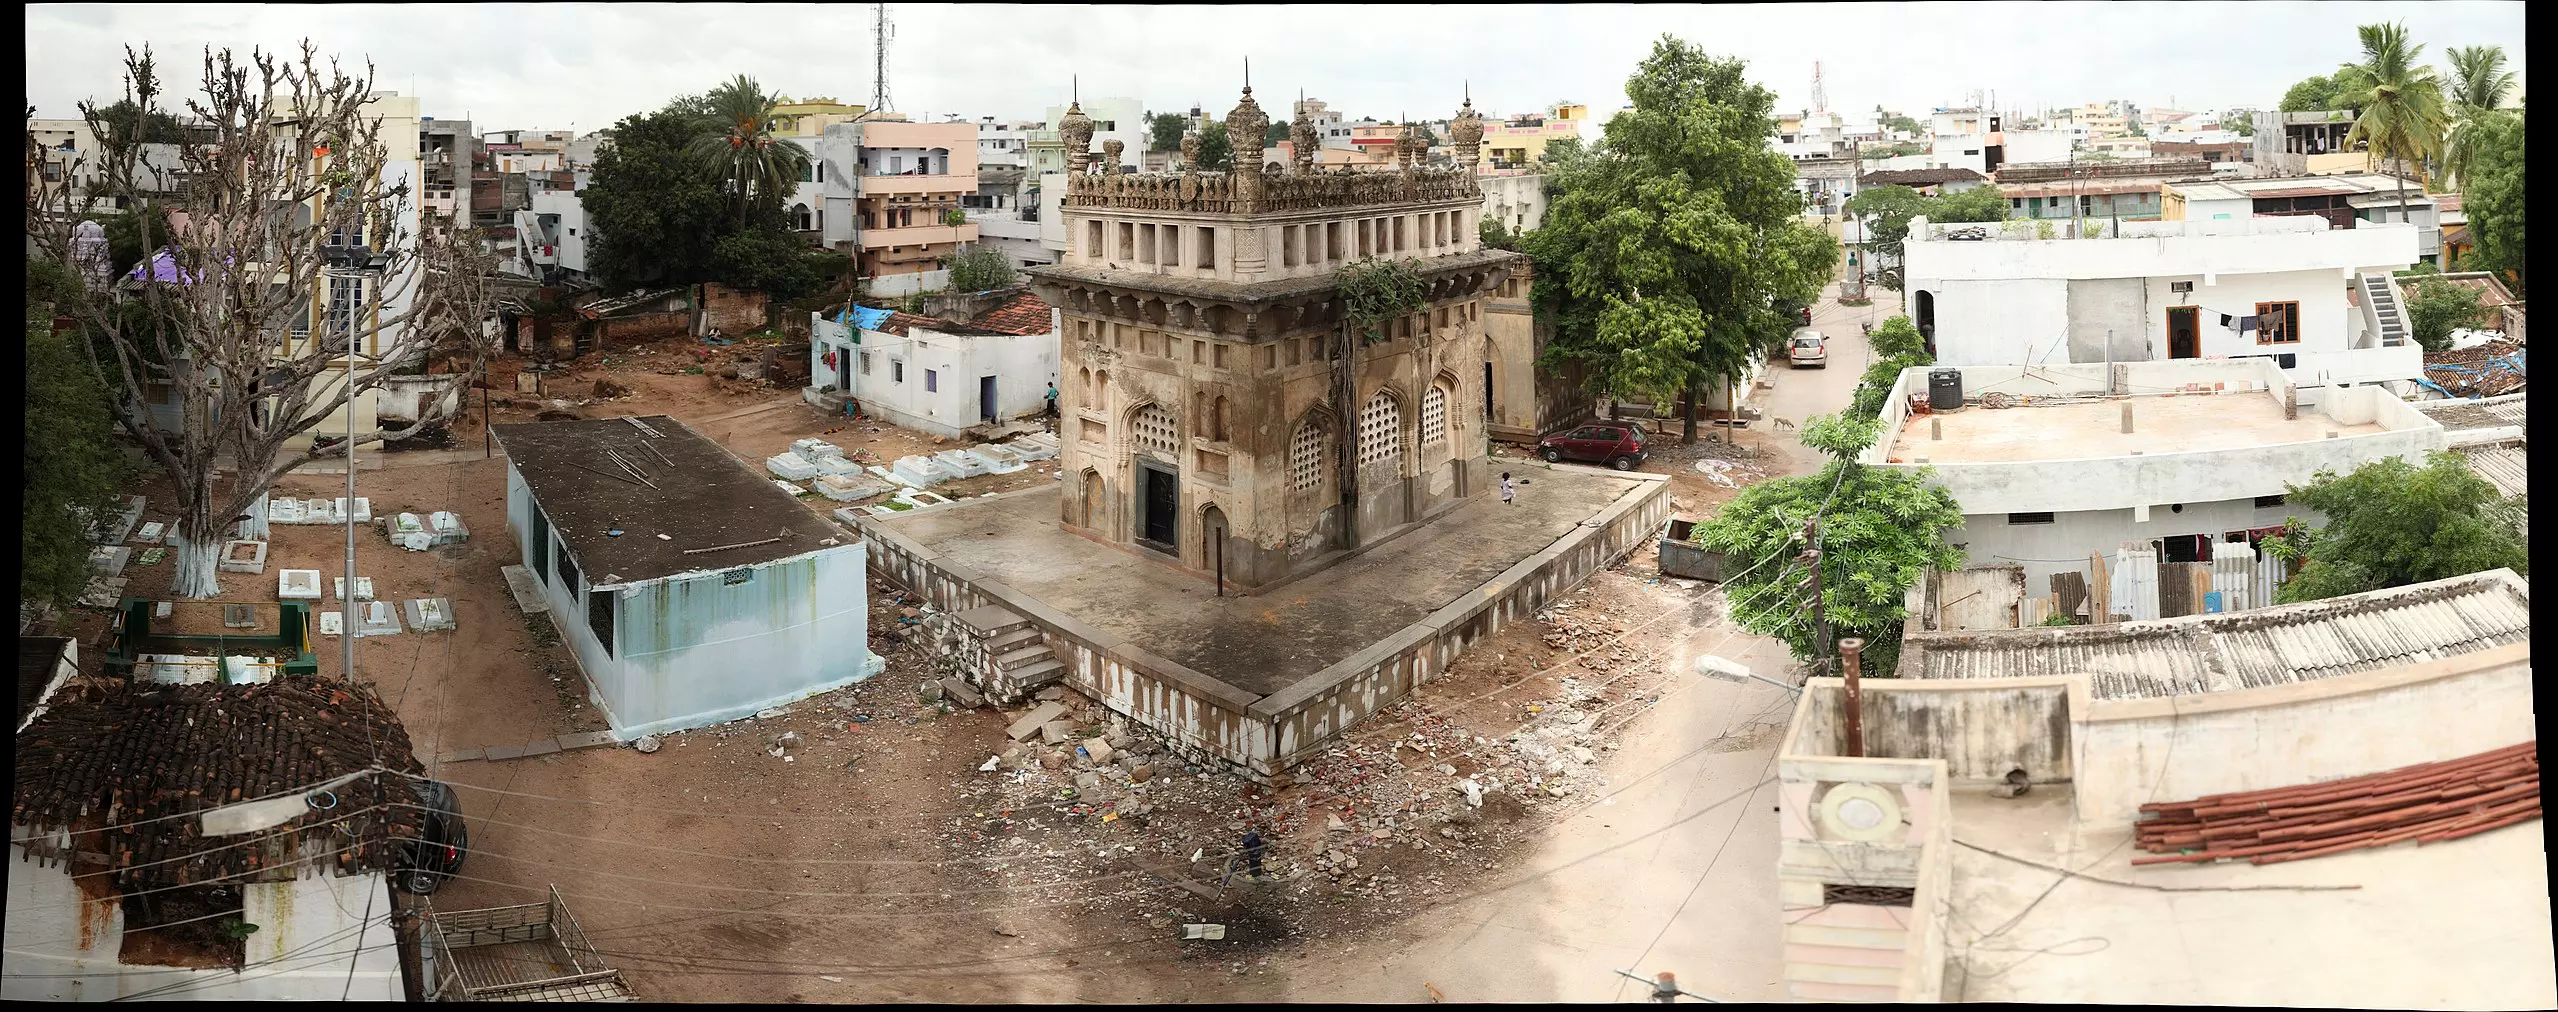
[1561, 151]
[2494, 198]
[2244, 126]
[1980, 203]
[767, 260]
[979, 269]
[72, 470]
[1216, 149]
[653, 216]
[1497, 235]
[1164, 130]
[2402, 114]
[1881, 530]
[1278, 131]
[2391, 523]
[1886, 211]
[1896, 121]
[158, 127]
[2440, 307]
[1373, 292]
[2315, 94]
[1897, 346]
[954, 217]
[1667, 256]
[754, 164]
[2479, 82]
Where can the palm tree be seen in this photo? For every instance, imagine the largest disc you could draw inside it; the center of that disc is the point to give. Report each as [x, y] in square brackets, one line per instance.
[2401, 102]
[738, 145]
[2479, 82]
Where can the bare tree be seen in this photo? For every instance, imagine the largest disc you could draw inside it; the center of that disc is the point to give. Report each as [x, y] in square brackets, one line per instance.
[295, 265]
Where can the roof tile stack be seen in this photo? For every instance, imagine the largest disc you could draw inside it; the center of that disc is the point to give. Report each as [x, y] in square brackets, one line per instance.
[2429, 803]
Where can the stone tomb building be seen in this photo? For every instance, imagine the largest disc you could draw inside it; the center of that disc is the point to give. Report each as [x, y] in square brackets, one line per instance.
[1207, 415]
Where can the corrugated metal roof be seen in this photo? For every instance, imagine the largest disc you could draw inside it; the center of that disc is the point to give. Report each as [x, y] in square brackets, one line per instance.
[2487, 413]
[2505, 465]
[2244, 650]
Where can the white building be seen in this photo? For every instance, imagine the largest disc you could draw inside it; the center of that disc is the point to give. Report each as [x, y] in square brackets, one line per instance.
[2053, 462]
[550, 236]
[1516, 201]
[2163, 290]
[1113, 119]
[940, 376]
[692, 592]
[2345, 199]
[259, 915]
[1004, 143]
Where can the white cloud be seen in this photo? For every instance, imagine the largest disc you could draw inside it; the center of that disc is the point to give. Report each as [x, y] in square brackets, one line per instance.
[584, 65]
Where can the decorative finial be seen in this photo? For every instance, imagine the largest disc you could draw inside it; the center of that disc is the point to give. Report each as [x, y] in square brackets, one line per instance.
[1075, 91]
[1247, 75]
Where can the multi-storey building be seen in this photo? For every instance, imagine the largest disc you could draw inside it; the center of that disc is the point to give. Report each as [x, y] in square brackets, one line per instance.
[447, 149]
[1210, 415]
[1521, 140]
[886, 190]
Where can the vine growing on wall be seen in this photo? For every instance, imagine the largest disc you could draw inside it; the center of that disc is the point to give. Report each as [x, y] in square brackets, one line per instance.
[1374, 291]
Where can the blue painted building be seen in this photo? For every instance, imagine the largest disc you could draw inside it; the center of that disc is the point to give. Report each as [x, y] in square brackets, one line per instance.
[691, 589]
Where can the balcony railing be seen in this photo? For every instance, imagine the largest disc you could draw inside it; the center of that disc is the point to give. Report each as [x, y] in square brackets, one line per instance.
[918, 235]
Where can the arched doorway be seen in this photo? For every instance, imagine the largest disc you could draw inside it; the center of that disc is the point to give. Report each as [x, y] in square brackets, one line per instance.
[1212, 543]
[1092, 499]
[1925, 304]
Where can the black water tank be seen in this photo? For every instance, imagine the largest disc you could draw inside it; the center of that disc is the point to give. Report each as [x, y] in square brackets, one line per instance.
[1945, 389]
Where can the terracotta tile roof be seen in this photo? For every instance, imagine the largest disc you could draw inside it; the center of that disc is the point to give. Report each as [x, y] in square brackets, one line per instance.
[2487, 370]
[1022, 314]
[2447, 201]
[900, 323]
[121, 764]
[1917, 177]
[2457, 235]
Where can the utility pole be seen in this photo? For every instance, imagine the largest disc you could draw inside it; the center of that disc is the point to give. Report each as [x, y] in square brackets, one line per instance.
[1852, 647]
[1820, 609]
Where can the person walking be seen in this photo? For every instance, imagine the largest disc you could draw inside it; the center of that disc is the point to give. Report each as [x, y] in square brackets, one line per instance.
[1252, 853]
[1509, 494]
[1052, 404]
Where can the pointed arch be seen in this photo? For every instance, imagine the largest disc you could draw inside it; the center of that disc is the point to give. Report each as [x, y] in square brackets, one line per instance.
[1154, 430]
[1381, 428]
[1309, 451]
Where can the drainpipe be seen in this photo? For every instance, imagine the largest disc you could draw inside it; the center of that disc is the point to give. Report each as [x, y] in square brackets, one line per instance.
[1850, 647]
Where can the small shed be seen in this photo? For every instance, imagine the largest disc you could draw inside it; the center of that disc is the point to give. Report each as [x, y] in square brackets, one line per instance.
[691, 590]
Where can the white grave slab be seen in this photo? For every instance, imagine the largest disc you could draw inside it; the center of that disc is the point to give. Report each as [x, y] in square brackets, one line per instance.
[297, 584]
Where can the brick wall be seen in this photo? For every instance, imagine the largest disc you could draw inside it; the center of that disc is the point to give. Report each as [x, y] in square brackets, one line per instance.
[731, 311]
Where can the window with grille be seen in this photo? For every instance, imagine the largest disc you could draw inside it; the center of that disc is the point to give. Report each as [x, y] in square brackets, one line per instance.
[1434, 415]
[568, 571]
[1379, 426]
[1305, 458]
[1154, 430]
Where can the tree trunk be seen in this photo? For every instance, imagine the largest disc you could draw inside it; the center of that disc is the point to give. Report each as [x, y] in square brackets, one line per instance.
[199, 558]
[1687, 411]
[255, 527]
[1344, 387]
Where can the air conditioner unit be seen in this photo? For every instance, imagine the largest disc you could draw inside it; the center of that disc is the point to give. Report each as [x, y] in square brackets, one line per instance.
[2181, 287]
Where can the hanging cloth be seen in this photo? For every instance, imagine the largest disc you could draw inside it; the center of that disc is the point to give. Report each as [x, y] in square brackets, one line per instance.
[2227, 322]
[2248, 324]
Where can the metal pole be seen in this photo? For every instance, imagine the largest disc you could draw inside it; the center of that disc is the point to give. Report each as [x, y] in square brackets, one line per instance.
[488, 423]
[1820, 609]
[1855, 703]
[346, 601]
[1221, 564]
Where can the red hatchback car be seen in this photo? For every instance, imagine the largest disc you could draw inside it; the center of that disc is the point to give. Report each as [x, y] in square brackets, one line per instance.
[1621, 446]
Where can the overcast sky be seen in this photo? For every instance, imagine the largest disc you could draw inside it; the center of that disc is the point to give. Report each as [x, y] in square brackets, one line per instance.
[582, 66]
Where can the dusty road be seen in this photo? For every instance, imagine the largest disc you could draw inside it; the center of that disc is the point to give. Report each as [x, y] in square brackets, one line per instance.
[1676, 870]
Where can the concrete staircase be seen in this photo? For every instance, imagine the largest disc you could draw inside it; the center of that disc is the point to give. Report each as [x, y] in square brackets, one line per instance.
[1004, 655]
[2382, 308]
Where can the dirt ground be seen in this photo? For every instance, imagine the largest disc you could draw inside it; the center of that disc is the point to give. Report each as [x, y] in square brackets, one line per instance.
[900, 849]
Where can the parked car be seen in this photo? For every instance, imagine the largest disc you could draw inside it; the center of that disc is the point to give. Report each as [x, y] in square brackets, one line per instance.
[1618, 444]
[1808, 348]
[437, 854]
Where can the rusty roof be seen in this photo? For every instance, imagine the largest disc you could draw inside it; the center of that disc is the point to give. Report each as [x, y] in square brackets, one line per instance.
[121, 765]
[1025, 313]
[2308, 191]
[620, 530]
[1917, 177]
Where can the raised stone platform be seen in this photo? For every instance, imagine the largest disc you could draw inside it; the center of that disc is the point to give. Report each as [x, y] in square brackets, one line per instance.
[1263, 681]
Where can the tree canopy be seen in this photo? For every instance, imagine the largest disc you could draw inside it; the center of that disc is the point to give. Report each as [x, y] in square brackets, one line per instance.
[2401, 100]
[979, 269]
[1897, 346]
[2391, 523]
[1888, 210]
[1879, 533]
[1668, 251]
[653, 216]
[2439, 307]
[158, 127]
[1164, 130]
[2477, 87]
[1216, 149]
[2494, 193]
[737, 145]
[2317, 93]
[72, 471]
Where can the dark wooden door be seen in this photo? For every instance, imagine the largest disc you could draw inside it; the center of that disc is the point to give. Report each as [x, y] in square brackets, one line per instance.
[1162, 499]
[986, 398]
[2184, 333]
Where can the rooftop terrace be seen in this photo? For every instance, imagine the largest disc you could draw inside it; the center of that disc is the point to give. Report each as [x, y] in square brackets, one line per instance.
[2086, 426]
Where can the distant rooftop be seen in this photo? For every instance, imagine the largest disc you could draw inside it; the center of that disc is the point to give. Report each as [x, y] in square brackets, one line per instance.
[621, 530]
[2340, 184]
[2087, 426]
[2244, 650]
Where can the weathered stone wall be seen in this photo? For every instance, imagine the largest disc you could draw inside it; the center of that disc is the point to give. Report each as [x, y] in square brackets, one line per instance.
[731, 311]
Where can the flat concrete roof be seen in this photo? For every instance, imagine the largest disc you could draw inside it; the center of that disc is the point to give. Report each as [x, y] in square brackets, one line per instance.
[621, 530]
[2462, 924]
[2089, 429]
[1264, 643]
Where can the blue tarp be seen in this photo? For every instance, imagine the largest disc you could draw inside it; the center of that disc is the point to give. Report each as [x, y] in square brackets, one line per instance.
[864, 317]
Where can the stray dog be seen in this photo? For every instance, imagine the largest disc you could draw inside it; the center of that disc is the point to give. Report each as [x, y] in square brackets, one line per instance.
[1781, 424]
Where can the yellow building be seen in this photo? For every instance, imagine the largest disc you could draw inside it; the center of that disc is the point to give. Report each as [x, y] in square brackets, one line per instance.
[811, 117]
[1521, 139]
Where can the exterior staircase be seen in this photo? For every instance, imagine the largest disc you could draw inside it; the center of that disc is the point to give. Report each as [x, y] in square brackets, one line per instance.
[1004, 655]
[2382, 309]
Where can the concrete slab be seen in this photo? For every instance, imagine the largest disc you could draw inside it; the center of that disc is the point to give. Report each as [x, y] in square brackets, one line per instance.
[429, 614]
[528, 594]
[586, 739]
[110, 560]
[1030, 723]
[496, 752]
[377, 618]
[297, 584]
[244, 557]
[1259, 644]
[545, 746]
[464, 756]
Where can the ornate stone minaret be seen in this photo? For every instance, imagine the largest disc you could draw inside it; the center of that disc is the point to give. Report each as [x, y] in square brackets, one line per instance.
[1466, 133]
[1111, 150]
[1075, 129]
[1302, 140]
[1245, 127]
[1411, 148]
[1190, 152]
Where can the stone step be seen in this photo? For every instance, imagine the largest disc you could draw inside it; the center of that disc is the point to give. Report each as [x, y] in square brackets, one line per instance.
[1014, 640]
[990, 620]
[1036, 675]
[1023, 657]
